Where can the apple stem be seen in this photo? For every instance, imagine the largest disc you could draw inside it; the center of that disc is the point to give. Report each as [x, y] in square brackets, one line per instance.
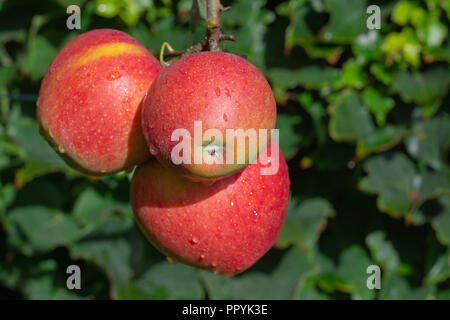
[213, 28]
[213, 7]
[212, 39]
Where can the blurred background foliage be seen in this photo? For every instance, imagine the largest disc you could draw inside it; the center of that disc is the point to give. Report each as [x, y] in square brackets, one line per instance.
[364, 123]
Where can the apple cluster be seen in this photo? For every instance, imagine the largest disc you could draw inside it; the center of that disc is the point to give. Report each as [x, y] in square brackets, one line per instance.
[106, 105]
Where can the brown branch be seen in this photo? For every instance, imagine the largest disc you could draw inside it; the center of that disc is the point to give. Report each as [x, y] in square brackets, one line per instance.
[213, 28]
[213, 7]
[212, 39]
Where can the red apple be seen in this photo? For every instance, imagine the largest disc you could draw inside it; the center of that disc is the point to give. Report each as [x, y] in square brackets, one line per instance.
[90, 101]
[223, 91]
[224, 227]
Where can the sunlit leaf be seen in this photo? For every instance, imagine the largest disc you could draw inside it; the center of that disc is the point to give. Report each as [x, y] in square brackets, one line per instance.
[304, 222]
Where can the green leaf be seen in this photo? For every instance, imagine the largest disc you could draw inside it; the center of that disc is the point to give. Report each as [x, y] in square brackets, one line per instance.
[7, 74]
[424, 88]
[132, 10]
[345, 25]
[383, 251]
[18, 35]
[40, 157]
[91, 208]
[441, 223]
[430, 141]
[278, 283]
[40, 54]
[403, 11]
[309, 292]
[380, 140]
[38, 279]
[298, 32]
[443, 295]
[304, 221]
[318, 113]
[393, 180]
[378, 104]
[440, 270]
[198, 12]
[109, 250]
[248, 20]
[40, 283]
[311, 77]
[353, 75]
[109, 240]
[350, 120]
[36, 228]
[165, 281]
[382, 73]
[367, 45]
[7, 196]
[441, 53]
[107, 8]
[133, 266]
[397, 288]
[400, 188]
[435, 34]
[403, 45]
[290, 138]
[26, 133]
[353, 263]
[32, 171]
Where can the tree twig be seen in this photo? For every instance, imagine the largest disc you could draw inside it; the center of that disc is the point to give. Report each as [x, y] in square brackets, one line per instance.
[213, 27]
[212, 39]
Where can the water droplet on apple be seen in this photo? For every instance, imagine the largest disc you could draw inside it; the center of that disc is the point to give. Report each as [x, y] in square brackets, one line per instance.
[232, 203]
[202, 256]
[225, 117]
[113, 75]
[153, 150]
[213, 264]
[255, 216]
[194, 240]
[51, 70]
[172, 260]
[61, 149]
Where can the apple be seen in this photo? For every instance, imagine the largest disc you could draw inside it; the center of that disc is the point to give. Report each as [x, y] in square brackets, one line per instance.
[223, 227]
[220, 91]
[90, 100]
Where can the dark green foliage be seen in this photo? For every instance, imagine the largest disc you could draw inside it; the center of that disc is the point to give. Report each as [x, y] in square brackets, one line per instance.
[364, 124]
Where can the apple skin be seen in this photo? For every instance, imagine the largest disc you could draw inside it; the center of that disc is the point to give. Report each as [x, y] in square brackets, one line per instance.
[90, 101]
[224, 227]
[222, 90]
